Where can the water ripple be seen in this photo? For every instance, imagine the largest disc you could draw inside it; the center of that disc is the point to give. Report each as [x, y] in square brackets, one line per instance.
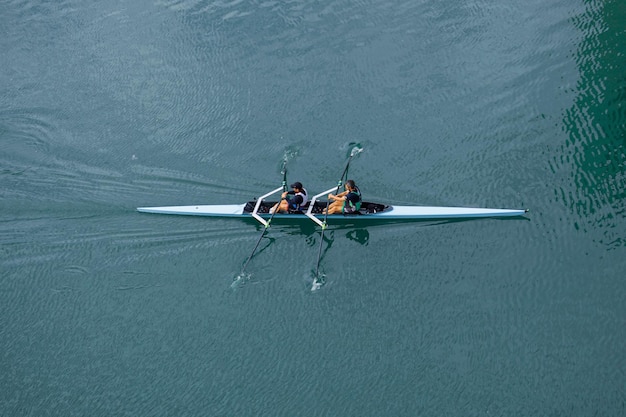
[28, 131]
[595, 153]
[109, 105]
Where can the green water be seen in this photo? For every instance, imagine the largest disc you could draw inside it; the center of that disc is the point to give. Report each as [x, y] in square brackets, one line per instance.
[107, 106]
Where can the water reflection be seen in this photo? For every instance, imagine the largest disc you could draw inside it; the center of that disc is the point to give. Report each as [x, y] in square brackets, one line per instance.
[360, 236]
[310, 230]
[358, 233]
[596, 124]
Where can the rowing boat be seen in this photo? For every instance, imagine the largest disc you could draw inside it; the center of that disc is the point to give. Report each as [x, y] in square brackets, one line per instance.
[260, 209]
[372, 211]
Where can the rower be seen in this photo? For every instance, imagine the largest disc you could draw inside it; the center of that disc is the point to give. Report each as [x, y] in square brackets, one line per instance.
[292, 204]
[347, 202]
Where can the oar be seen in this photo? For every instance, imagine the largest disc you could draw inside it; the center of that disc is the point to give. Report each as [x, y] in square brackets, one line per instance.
[267, 225]
[355, 151]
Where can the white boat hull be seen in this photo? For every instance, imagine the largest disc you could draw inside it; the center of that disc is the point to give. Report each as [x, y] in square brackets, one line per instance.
[390, 213]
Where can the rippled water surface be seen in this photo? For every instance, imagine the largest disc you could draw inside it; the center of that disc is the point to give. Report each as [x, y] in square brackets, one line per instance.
[106, 106]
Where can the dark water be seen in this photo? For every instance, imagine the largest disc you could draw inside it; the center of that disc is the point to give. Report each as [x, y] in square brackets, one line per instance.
[110, 105]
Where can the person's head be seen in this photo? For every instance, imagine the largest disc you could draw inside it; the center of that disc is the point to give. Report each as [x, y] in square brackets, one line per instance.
[297, 186]
[350, 185]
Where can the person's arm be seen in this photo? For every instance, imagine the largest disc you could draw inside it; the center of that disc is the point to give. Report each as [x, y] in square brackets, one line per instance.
[340, 196]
